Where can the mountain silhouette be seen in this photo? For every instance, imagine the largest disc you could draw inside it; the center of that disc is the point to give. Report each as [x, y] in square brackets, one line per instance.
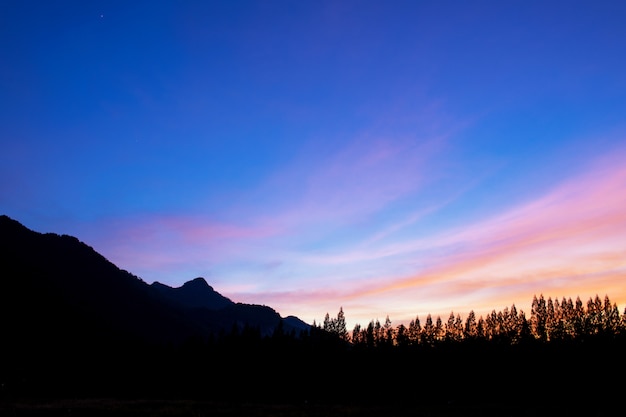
[217, 313]
[57, 288]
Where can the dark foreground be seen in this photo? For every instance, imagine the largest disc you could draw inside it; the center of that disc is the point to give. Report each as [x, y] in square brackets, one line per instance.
[80, 337]
[583, 379]
[180, 408]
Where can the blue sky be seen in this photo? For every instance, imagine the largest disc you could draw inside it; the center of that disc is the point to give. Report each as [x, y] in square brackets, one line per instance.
[396, 158]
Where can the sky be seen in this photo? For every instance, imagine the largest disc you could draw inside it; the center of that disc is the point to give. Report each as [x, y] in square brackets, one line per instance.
[391, 158]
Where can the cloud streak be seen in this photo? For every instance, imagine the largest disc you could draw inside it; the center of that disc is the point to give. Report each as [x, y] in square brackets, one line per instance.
[571, 239]
[316, 199]
[324, 244]
[349, 184]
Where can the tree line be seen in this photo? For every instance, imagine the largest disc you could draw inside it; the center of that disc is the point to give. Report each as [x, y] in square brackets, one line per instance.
[550, 320]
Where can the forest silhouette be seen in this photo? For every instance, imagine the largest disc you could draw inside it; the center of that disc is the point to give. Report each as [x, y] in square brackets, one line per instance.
[71, 326]
[550, 321]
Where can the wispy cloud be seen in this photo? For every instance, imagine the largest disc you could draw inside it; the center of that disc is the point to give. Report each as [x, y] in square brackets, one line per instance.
[571, 241]
[317, 198]
[323, 244]
[156, 246]
[351, 183]
[572, 238]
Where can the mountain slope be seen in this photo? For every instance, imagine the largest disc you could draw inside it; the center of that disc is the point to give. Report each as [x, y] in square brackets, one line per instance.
[58, 286]
[219, 313]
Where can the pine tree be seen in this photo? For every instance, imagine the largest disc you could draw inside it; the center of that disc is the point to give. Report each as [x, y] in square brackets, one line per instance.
[357, 336]
[328, 325]
[415, 331]
[458, 328]
[610, 317]
[453, 329]
[558, 327]
[613, 321]
[514, 325]
[401, 338]
[593, 318]
[504, 322]
[500, 325]
[439, 331]
[378, 332]
[370, 336]
[491, 325]
[387, 332]
[428, 332]
[481, 329]
[449, 328]
[579, 318]
[538, 317]
[525, 332]
[340, 326]
[471, 331]
[568, 318]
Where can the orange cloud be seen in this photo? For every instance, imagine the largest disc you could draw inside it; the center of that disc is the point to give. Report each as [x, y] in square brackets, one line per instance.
[586, 215]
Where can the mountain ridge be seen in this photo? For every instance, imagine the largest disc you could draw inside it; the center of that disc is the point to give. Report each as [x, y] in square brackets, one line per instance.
[58, 278]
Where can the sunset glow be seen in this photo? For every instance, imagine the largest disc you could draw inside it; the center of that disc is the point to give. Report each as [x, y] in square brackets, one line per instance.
[393, 159]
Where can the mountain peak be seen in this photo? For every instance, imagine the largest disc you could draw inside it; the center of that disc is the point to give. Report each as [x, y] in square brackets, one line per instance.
[196, 293]
[197, 283]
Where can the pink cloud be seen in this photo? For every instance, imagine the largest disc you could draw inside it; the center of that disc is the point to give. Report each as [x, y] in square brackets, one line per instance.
[304, 202]
[574, 233]
[570, 241]
[351, 183]
[162, 243]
